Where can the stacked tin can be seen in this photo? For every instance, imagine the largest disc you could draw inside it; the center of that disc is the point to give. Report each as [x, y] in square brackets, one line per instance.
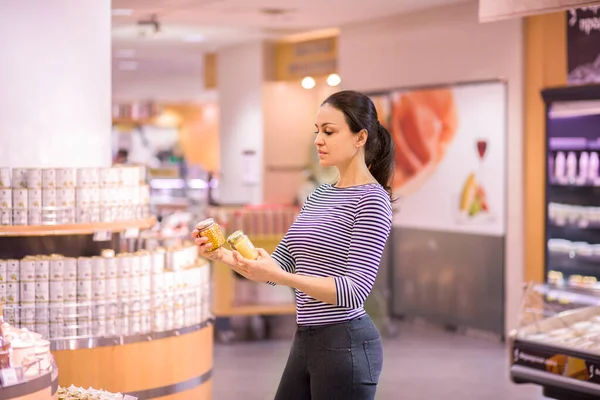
[12, 291]
[98, 296]
[5, 197]
[112, 294]
[42, 295]
[87, 195]
[107, 295]
[158, 290]
[58, 292]
[20, 201]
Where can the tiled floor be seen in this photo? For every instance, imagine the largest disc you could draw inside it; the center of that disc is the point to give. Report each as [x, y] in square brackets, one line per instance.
[420, 364]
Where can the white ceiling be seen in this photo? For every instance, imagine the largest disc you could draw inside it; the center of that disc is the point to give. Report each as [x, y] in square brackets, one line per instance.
[164, 61]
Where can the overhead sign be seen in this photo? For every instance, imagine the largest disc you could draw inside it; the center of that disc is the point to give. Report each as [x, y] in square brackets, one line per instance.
[492, 10]
[583, 45]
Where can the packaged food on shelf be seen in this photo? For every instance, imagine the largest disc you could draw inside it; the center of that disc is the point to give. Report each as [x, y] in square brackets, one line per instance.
[107, 295]
[66, 195]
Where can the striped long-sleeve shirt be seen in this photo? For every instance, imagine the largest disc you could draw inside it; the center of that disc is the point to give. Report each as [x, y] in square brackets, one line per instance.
[339, 233]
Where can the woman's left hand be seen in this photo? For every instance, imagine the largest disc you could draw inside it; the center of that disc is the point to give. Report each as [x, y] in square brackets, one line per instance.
[264, 269]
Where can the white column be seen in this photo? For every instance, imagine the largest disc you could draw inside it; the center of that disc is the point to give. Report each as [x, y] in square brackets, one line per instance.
[55, 83]
[240, 82]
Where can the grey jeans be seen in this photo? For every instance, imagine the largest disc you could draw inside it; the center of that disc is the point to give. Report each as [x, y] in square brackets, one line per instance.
[339, 361]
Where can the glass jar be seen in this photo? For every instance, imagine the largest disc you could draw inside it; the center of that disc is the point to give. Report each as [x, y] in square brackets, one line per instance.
[211, 230]
[242, 244]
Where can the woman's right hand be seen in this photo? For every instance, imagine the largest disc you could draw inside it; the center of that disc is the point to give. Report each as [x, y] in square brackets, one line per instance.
[204, 246]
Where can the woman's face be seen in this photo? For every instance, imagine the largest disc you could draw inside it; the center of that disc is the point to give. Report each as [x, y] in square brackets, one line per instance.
[334, 140]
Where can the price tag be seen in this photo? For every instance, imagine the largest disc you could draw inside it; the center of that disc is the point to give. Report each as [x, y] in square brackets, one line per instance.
[128, 397]
[11, 376]
[102, 236]
[132, 233]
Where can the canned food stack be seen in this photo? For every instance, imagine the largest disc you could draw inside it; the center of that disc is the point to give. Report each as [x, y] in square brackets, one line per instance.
[19, 197]
[57, 278]
[5, 197]
[123, 293]
[112, 294]
[11, 312]
[83, 315]
[87, 195]
[105, 296]
[65, 183]
[30, 196]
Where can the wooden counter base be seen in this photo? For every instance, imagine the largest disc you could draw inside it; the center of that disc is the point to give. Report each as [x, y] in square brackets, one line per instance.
[170, 368]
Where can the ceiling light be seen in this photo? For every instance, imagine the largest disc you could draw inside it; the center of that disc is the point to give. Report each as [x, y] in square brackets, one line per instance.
[121, 12]
[128, 65]
[308, 83]
[334, 80]
[125, 53]
[194, 38]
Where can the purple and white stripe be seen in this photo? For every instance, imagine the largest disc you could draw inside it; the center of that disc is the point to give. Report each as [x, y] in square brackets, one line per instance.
[340, 233]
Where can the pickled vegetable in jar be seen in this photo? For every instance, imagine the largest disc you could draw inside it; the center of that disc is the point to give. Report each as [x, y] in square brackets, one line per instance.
[211, 230]
[242, 244]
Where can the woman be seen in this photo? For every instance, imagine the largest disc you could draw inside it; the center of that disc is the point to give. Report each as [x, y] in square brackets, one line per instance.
[330, 256]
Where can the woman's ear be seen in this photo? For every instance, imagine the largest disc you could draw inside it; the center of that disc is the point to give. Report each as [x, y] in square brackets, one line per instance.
[361, 137]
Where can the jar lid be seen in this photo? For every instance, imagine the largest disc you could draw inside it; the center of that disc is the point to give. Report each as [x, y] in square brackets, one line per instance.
[235, 236]
[205, 224]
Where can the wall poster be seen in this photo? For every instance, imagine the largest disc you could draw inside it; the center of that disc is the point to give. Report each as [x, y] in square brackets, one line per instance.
[450, 156]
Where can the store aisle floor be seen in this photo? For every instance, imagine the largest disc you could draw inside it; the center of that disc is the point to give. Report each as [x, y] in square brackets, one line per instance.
[420, 364]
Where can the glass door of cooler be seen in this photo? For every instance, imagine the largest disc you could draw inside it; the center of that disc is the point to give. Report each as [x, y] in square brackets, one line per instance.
[573, 187]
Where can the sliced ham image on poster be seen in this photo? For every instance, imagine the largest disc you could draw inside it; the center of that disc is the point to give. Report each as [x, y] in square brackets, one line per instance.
[450, 156]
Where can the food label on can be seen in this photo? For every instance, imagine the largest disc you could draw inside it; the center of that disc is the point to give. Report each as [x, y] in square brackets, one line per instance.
[42, 292]
[49, 178]
[34, 178]
[19, 178]
[27, 292]
[42, 270]
[5, 198]
[5, 178]
[27, 270]
[20, 201]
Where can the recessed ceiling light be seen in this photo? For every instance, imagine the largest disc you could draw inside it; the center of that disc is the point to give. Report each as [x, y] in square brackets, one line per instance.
[125, 53]
[128, 65]
[121, 11]
[308, 82]
[194, 38]
[334, 80]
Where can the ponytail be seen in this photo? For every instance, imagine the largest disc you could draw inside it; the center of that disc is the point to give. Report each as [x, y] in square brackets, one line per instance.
[379, 156]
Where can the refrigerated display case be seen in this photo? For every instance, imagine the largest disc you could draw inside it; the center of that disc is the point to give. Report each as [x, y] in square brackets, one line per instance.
[557, 342]
[572, 254]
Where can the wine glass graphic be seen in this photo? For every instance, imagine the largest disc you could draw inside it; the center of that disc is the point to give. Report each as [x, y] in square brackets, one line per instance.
[482, 147]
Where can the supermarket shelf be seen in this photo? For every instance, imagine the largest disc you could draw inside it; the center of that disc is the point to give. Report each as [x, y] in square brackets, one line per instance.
[256, 309]
[75, 229]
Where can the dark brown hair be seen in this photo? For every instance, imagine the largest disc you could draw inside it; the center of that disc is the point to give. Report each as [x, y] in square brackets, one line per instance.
[360, 113]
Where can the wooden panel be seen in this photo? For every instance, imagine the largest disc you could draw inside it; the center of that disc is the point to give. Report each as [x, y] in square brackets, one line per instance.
[293, 62]
[138, 366]
[210, 71]
[202, 392]
[75, 229]
[546, 65]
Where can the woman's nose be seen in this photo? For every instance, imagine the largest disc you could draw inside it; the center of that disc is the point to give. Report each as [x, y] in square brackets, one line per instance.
[319, 139]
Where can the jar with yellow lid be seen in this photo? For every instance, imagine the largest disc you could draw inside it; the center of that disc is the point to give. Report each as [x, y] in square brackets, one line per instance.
[242, 244]
[212, 231]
